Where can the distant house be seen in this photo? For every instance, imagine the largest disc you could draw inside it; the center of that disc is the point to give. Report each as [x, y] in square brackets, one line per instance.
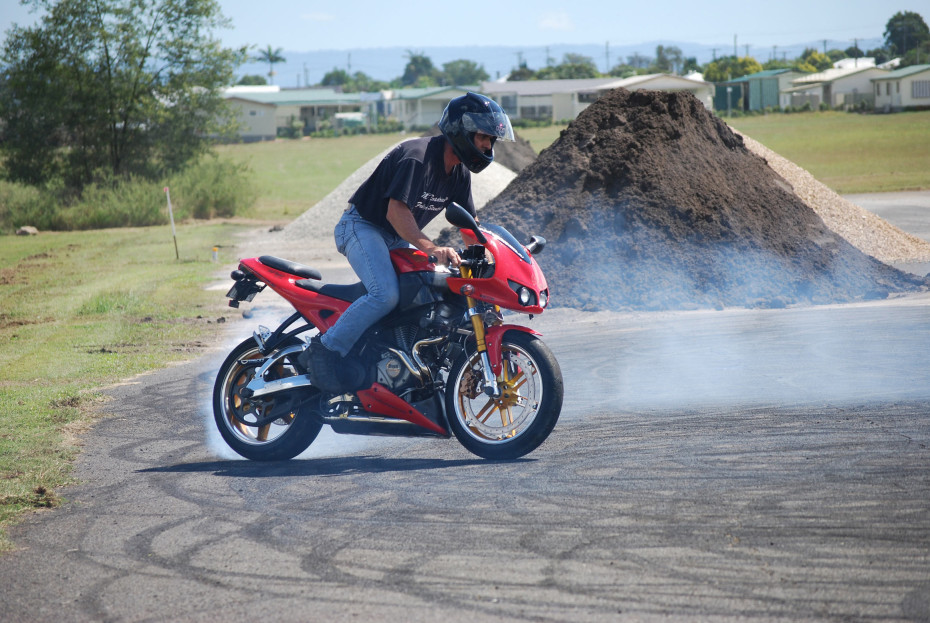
[834, 87]
[560, 100]
[263, 111]
[418, 107]
[903, 88]
[256, 119]
[766, 86]
[307, 107]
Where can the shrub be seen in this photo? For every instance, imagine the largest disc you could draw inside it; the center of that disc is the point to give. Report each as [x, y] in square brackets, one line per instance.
[126, 203]
[27, 205]
[215, 187]
[211, 188]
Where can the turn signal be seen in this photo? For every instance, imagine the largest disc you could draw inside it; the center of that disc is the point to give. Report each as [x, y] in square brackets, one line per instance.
[467, 289]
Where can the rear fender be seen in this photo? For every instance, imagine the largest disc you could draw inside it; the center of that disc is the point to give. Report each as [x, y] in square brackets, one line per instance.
[494, 336]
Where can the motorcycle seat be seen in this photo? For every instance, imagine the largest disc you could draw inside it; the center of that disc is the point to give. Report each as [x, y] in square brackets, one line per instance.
[292, 268]
[348, 293]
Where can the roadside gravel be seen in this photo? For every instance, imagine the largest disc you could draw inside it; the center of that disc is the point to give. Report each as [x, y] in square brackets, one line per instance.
[864, 230]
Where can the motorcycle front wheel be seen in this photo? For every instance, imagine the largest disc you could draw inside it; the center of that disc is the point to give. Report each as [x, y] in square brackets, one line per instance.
[518, 421]
[245, 422]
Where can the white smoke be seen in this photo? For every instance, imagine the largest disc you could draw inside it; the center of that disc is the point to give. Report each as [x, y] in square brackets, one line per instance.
[327, 443]
[835, 354]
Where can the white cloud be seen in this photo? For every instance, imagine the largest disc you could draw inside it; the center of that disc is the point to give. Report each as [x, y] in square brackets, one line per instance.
[556, 21]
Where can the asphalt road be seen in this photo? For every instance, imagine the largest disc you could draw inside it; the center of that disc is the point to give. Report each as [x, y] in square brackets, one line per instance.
[745, 464]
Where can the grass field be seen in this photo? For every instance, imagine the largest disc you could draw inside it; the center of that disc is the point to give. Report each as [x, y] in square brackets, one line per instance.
[850, 153]
[85, 309]
[292, 175]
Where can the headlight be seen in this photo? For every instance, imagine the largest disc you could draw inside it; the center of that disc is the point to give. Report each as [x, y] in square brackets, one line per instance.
[543, 298]
[525, 296]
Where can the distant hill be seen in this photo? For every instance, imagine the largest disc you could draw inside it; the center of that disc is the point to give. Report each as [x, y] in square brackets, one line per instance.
[308, 68]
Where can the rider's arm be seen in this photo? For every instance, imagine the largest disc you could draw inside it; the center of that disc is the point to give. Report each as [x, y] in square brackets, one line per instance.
[401, 219]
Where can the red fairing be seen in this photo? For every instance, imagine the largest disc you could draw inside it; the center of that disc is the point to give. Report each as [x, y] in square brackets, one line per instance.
[509, 266]
[411, 261]
[322, 311]
[493, 337]
[379, 399]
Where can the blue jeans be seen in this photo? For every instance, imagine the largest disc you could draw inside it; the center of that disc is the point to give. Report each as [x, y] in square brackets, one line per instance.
[367, 247]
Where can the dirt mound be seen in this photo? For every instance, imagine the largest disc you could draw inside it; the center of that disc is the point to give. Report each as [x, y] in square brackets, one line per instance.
[650, 202]
[515, 155]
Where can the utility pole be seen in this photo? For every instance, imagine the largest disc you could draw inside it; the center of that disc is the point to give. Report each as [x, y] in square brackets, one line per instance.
[824, 47]
[607, 57]
[747, 48]
[713, 51]
[735, 52]
[349, 64]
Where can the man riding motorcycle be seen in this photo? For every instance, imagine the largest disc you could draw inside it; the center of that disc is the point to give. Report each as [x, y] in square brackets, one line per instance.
[414, 183]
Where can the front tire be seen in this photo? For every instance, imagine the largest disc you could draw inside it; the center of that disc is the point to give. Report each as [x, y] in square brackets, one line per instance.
[521, 419]
[239, 419]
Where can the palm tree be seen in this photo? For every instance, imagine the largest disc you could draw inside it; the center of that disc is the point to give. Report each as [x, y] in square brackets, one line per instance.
[270, 56]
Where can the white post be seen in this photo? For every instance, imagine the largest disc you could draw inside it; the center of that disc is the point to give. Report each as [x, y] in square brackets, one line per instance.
[171, 218]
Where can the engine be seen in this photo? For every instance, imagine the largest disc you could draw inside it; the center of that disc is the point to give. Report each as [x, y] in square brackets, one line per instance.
[394, 374]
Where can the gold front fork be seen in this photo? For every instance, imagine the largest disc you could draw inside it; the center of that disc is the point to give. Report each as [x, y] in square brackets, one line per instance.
[491, 388]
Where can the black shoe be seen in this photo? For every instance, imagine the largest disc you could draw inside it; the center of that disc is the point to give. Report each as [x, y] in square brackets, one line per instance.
[323, 366]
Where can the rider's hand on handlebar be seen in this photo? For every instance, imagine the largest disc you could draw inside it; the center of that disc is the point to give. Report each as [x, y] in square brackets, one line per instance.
[446, 255]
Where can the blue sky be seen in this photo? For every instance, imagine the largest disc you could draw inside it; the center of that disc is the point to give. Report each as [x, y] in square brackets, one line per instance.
[374, 37]
[297, 25]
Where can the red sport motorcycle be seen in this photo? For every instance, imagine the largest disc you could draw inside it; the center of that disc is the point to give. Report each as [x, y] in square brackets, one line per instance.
[442, 363]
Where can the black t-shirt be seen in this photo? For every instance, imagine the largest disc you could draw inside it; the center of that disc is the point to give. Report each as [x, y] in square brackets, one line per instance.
[415, 173]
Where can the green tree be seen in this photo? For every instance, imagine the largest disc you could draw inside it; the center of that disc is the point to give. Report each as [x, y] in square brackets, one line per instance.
[365, 83]
[419, 71]
[252, 80]
[573, 66]
[668, 60]
[638, 61]
[812, 59]
[731, 67]
[521, 73]
[113, 88]
[622, 71]
[854, 52]
[336, 78]
[690, 65]
[463, 72]
[272, 57]
[881, 55]
[906, 31]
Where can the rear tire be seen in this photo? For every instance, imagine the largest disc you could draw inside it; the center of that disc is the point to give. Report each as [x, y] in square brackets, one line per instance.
[521, 419]
[280, 440]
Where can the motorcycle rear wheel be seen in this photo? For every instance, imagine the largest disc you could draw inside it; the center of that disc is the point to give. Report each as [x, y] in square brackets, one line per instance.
[517, 422]
[280, 440]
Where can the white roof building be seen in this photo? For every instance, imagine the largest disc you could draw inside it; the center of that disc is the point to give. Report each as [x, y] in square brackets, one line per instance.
[563, 100]
[839, 87]
[903, 88]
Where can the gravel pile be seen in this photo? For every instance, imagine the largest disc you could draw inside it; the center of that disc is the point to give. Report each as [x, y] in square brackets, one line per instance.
[864, 230]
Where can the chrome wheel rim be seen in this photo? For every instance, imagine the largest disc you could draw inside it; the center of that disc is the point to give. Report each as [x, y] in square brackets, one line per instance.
[499, 420]
[239, 412]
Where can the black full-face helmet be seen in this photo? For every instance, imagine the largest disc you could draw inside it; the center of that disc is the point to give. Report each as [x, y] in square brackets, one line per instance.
[467, 115]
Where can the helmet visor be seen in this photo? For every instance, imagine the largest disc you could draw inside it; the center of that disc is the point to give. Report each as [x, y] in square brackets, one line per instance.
[494, 124]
